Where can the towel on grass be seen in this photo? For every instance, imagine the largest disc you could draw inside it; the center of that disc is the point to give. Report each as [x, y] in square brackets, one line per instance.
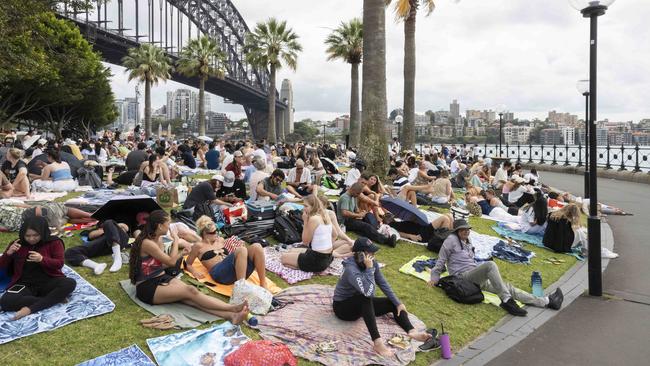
[197, 346]
[535, 240]
[308, 319]
[273, 264]
[184, 316]
[130, 356]
[488, 297]
[35, 196]
[84, 302]
[226, 290]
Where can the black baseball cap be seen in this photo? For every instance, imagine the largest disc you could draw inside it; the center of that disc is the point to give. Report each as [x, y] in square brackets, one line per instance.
[363, 244]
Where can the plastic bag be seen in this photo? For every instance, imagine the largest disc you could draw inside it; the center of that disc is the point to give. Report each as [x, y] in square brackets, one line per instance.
[259, 299]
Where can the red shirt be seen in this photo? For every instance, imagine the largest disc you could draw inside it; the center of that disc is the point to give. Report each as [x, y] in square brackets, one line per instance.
[235, 169]
[52, 262]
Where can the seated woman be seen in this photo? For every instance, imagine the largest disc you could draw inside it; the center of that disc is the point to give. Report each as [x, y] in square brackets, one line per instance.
[35, 261]
[440, 190]
[316, 167]
[317, 234]
[533, 218]
[154, 170]
[520, 193]
[15, 170]
[354, 296]
[111, 238]
[492, 206]
[56, 175]
[342, 243]
[147, 264]
[225, 268]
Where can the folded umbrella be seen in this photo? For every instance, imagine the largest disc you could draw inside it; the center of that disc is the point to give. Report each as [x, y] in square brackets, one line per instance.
[329, 165]
[404, 210]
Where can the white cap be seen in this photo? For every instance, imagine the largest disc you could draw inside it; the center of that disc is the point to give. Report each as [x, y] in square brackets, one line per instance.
[229, 179]
[218, 177]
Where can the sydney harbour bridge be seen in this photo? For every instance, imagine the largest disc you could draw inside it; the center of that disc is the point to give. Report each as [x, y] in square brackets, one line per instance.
[114, 26]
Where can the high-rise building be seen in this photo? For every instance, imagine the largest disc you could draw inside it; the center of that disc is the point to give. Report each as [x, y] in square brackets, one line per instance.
[454, 109]
[286, 95]
[551, 136]
[216, 123]
[516, 134]
[184, 104]
[120, 122]
[568, 135]
[562, 119]
[601, 136]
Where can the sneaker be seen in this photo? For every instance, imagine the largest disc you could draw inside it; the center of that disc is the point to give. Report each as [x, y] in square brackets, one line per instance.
[512, 308]
[433, 332]
[392, 241]
[608, 254]
[555, 300]
[432, 344]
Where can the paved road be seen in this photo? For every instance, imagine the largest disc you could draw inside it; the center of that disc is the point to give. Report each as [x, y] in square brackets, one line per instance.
[602, 331]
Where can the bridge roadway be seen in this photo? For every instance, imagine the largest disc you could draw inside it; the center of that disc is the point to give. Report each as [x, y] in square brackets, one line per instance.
[614, 329]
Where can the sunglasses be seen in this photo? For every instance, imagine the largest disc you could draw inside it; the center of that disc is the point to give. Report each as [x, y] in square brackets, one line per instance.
[211, 232]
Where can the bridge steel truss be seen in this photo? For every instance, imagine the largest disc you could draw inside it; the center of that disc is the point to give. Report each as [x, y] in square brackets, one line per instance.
[218, 19]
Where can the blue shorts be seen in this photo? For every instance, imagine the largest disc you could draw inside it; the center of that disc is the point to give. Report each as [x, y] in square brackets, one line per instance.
[224, 271]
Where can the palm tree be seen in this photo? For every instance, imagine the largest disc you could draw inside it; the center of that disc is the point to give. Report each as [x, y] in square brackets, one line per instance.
[346, 43]
[406, 10]
[271, 44]
[148, 64]
[374, 145]
[202, 58]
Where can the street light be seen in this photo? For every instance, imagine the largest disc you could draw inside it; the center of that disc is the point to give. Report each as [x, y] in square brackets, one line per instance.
[324, 125]
[398, 120]
[501, 109]
[245, 126]
[583, 88]
[593, 9]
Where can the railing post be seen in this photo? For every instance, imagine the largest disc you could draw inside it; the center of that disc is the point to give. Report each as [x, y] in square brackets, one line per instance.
[608, 165]
[506, 150]
[579, 155]
[622, 157]
[530, 152]
[485, 151]
[542, 151]
[554, 151]
[518, 153]
[637, 168]
[566, 154]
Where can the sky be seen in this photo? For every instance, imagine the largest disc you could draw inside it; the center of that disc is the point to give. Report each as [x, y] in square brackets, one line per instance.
[524, 54]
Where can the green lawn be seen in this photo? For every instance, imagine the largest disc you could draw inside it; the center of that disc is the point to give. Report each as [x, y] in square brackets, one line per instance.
[93, 337]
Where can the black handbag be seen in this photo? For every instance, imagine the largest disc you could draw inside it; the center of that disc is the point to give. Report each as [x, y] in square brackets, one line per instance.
[461, 290]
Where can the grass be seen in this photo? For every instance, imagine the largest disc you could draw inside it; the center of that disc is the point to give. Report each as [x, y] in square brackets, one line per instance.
[93, 337]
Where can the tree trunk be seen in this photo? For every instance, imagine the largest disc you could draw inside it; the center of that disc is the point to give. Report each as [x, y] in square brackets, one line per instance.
[202, 125]
[355, 124]
[271, 133]
[408, 132]
[374, 145]
[147, 108]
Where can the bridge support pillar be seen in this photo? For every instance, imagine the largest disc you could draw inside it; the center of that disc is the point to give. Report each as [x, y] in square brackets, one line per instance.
[258, 121]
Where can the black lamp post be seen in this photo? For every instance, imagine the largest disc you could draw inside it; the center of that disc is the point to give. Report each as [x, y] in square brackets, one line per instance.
[593, 9]
[324, 125]
[583, 88]
[501, 110]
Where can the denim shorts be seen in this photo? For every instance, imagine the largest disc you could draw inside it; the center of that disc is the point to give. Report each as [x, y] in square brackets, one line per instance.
[224, 271]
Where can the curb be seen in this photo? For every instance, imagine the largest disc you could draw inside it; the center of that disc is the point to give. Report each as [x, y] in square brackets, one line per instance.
[625, 175]
[511, 330]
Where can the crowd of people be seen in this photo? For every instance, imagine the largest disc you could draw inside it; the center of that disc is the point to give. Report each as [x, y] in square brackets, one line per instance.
[243, 171]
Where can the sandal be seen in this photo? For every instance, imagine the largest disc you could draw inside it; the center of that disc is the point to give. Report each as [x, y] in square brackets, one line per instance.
[399, 341]
[162, 322]
[325, 347]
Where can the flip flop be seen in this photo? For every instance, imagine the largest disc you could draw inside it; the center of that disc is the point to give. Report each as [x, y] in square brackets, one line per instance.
[399, 341]
[325, 347]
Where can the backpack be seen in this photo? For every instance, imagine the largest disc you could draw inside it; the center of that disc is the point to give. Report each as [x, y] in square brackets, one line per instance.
[287, 229]
[329, 182]
[201, 209]
[461, 290]
[437, 239]
[88, 177]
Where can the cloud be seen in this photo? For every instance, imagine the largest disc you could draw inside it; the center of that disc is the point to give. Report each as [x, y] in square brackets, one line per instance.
[525, 54]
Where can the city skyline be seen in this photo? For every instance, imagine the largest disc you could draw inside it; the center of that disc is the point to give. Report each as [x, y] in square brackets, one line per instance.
[525, 56]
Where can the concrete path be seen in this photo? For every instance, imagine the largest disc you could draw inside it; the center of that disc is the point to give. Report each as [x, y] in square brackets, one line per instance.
[614, 329]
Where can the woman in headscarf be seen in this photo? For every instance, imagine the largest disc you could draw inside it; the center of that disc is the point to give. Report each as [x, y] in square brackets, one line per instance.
[35, 261]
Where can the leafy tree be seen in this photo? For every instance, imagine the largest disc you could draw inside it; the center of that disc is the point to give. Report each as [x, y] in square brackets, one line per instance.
[302, 131]
[272, 44]
[406, 10]
[202, 58]
[374, 145]
[346, 43]
[149, 65]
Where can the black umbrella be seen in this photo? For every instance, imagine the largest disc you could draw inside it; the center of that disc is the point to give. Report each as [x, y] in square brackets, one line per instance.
[125, 208]
[329, 165]
[404, 210]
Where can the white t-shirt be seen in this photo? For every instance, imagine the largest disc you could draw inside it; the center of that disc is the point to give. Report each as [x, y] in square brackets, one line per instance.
[455, 166]
[501, 175]
[413, 174]
[353, 176]
[304, 178]
[529, 176]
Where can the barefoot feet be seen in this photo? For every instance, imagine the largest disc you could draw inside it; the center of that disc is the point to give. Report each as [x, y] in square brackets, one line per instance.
[22, 313]
[419, 336]
[381, 349]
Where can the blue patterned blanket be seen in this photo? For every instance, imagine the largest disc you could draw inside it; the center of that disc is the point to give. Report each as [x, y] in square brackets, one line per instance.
[85, 302]
[536, 240]
[130, 356]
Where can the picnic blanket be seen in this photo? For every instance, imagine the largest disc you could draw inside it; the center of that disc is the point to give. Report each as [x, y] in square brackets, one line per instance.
[35, 196]
[197, 347]
[536, 240]
[129, 356]
[488, 297]
[184, 316]
[226, 290]
[273, 264]
[308, 319]
[84, 302]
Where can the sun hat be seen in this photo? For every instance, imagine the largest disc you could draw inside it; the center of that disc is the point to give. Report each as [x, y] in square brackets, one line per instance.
[461, 224]
[218, 177]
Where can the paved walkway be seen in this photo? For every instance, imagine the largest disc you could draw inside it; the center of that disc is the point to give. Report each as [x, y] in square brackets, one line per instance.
[614, 329]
